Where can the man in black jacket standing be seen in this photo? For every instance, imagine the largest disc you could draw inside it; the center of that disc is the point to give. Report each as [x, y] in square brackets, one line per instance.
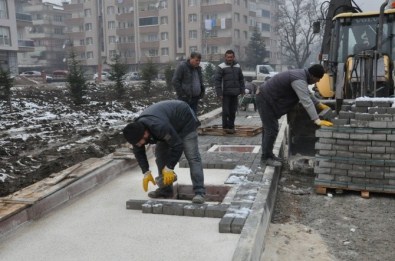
[188, 81]
[171, 125]
[229, 84]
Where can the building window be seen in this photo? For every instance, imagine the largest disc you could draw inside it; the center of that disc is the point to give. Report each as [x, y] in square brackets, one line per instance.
[87, 12]
[82, 42]
[3, 9]
[193, 49]
[164, 36]
[245, 35]
[265, 13]
[148, 21]
[163, 4]
[58, 18]
[89, 40]
[89, 55]
[112, 39]
[164, 51]
[5, 39]
[236, 2]
[237, 34]
[152, 37]
[113, 53]
[58, 30]
[192, 18]
[152, 52]
[213, 49]
[192, 34]
[265, 27]
[82, 56]
[111, 25]
[164, 20]
[88, 27]
[237, 17]
[192, 2]
[245, 18]
[110, 10]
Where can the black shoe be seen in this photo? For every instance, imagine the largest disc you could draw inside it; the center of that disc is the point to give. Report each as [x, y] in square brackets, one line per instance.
[277, 159]
[230, 131]
[158, 193]
[271, 162]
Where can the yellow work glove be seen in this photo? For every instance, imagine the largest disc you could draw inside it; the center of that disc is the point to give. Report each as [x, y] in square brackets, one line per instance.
[322, 106]
[168, 176]
[147, 178]
[323, 123]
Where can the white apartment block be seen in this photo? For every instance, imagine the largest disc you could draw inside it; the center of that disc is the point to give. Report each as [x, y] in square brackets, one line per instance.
[12, 33]
[164, 31]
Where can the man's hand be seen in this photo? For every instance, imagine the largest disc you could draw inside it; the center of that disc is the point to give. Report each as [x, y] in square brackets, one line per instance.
[322, 106]
[168, 176]
[323, 123]
[147, 178]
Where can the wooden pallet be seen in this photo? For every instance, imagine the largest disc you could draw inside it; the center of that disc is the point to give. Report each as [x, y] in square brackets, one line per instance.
[323, 190]
[241, 131]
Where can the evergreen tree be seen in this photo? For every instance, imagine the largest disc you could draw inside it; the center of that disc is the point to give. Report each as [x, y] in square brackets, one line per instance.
[148, 73]
[76, 81]
[208, 74]
[256, 49]
[117, 74]
[6, 82]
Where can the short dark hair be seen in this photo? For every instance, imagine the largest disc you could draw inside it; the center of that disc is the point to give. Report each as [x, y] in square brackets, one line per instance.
[229, 52]
[195, 55]
[316, 70]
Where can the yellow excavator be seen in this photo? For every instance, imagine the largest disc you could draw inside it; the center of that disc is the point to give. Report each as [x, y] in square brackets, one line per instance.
[358, 53]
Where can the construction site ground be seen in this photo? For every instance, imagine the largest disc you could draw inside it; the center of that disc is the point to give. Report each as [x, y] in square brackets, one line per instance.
[96, 225]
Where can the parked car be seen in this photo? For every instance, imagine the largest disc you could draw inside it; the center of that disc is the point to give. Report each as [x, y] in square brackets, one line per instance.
[31, 74]
[133, 76]
[104, 76]
[60, 75]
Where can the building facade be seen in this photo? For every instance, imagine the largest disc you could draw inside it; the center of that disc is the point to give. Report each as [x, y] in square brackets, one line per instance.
[165, 31]
[13, 40]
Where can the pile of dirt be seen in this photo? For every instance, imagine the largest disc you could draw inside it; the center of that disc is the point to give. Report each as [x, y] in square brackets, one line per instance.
[46, 133]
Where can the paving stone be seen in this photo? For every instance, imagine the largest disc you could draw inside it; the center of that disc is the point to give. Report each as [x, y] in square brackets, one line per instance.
[237, 225]
[135, 204]
[200, 210]
[147, 207]
[225, 224]
[157, 208]
[216, 211]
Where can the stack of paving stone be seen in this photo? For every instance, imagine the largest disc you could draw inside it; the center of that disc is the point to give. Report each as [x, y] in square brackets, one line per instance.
[358, 152]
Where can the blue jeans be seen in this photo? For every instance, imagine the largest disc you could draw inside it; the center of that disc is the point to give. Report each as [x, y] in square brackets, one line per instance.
[191, 152]
[270, 127]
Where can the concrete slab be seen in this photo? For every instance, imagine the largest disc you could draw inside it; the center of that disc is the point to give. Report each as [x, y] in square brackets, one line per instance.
[99, 227]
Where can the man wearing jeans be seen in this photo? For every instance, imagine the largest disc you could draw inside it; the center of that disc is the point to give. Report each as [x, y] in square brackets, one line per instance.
[171, 125]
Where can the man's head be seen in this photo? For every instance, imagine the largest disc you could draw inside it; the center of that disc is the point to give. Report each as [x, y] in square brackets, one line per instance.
[229, 56]
[194, 59]
[136, 134]
[316, 72]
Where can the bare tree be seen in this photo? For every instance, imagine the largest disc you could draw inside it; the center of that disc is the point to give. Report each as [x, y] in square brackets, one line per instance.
[295, 26]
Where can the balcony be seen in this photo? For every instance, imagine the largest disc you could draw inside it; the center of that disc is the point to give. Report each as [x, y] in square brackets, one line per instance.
[23, 19]
[25, 45]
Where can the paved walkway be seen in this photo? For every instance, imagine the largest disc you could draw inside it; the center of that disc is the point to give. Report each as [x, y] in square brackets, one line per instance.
[98, 225]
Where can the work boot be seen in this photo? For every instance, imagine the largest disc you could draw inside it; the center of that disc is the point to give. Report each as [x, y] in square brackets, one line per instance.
[271, 162]
[277, 159]
[230, 131]
[198, 199]
[159, 193]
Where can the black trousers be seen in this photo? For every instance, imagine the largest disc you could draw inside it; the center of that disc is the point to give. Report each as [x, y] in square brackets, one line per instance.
[229, 108]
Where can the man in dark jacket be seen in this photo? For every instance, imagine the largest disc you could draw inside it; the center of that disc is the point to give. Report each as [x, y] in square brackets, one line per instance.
[278, 96]
[229, 84]
[188, 81]
[171, 125]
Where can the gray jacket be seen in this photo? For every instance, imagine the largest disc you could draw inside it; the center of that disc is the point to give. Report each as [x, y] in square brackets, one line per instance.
[182, 81]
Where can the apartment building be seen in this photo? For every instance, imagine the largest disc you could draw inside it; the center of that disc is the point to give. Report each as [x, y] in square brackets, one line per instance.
[47, 33]
[165, 31]
[12, 33]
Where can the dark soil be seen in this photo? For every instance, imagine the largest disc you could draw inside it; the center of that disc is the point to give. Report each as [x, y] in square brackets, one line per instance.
[46, 133]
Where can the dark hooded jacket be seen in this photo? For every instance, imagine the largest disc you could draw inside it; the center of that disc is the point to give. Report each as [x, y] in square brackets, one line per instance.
[182, 81]
[170, 122]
